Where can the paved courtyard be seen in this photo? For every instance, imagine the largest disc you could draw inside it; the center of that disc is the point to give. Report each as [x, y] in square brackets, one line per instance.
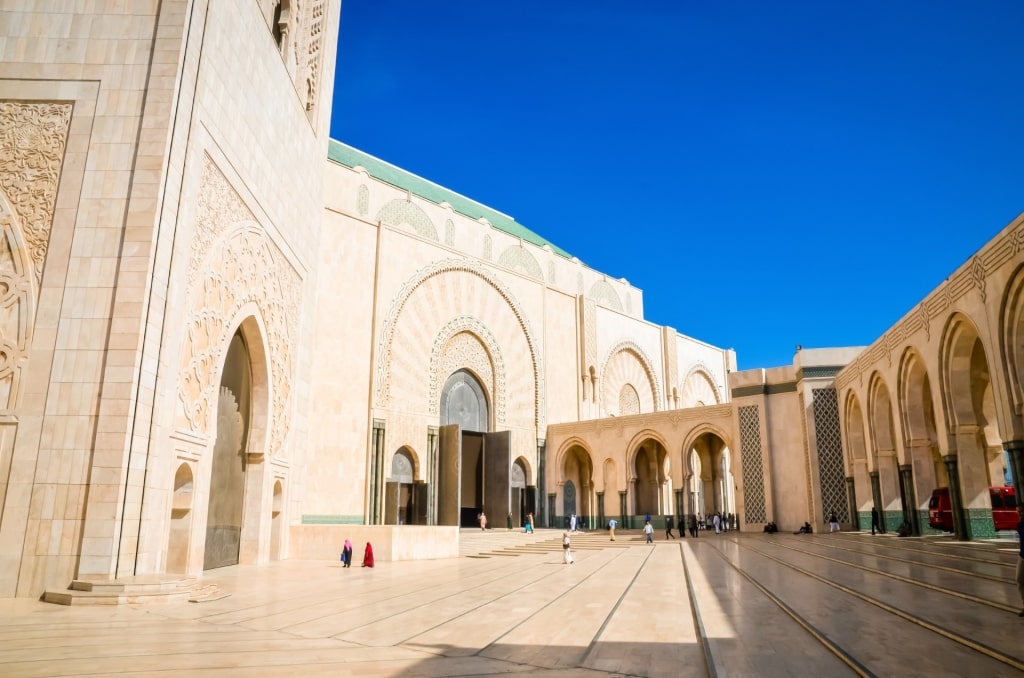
[727, 605]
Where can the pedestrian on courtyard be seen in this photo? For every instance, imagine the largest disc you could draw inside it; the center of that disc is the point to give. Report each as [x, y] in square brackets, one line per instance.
[649, 532]
[509, 521]
[648, 517]
[483, 520]
[833, 522]
[572, 523]
[611, 528]
[1020, 556]
[717, 522]
[346, 554]
[529, 523]
[692, 523]
[567, 558]
[368, 556]
[669, 524]
[874, 520]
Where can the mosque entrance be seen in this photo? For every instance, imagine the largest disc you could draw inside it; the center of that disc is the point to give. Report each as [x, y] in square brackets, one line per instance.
[228, 474]
[474, 464]
[405, 499]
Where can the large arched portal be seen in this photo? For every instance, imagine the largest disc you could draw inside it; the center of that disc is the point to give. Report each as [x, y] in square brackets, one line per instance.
[710, 486]
[474, 463]
[228, 468]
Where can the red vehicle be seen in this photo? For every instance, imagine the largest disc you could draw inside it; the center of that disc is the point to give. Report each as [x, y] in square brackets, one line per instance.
[1004, 508]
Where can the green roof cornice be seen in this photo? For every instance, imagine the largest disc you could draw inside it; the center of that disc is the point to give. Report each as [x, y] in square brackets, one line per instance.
[344, 154]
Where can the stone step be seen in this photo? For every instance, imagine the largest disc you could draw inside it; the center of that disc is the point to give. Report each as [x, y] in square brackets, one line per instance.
[133, 591]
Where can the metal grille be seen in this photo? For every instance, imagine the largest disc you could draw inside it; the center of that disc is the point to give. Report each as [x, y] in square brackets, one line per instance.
[753, 471]
[832, 476]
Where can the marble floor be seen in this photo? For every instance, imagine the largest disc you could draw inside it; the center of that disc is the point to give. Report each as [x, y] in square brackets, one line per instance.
[725, 605]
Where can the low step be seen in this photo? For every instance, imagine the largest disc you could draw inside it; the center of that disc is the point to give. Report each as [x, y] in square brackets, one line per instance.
[132, 591]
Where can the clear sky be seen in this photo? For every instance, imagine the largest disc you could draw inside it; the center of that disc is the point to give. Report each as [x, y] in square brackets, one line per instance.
[768, 173]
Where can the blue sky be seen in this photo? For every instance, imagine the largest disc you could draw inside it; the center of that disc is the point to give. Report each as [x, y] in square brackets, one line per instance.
[768, 173]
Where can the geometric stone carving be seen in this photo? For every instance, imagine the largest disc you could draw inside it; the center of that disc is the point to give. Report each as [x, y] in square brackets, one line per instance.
[234, 263]
[402, 212]
[698, 389]
[831, 472]
[517, 258]
[627, 363]
[363, 200]
[32, 141]
[629, 401]
[753, 469]
[603, 293]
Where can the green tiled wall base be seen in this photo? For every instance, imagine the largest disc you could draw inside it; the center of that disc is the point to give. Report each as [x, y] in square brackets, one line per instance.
[979, 524]
[926, 529]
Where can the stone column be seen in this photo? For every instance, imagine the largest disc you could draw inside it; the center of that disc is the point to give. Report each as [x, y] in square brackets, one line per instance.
[851, 498]
[622, 509]
[956, 501]
[1015, 450]
[373, 516]
[909, 498]
[432, 473]
[876, 497]
[541, 475]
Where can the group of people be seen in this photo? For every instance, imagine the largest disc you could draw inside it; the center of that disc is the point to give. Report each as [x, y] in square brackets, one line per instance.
[346, 555]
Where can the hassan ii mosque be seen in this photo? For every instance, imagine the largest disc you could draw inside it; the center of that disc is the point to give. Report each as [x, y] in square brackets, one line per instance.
[227, 338]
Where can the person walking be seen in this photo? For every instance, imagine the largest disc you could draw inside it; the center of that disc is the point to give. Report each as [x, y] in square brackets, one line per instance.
[346, 554]
[669, 524]
[611, 527]
[649, 532]
[692, 522]
[833, 522]
[567, 558]
[716, 520]
[1020, 557]
[529, 523]
[874, 520]
[483, 520]
[572, 523]
[368, 556]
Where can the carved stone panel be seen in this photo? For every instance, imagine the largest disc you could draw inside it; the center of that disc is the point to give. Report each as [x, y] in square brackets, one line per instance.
[235, 263]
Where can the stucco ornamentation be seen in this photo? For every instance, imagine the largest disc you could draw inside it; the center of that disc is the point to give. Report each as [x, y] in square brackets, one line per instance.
[465, 342]
[235, 263]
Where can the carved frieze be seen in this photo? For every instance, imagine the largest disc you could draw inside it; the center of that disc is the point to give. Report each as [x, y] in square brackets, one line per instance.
[235, 263]
[465, 342]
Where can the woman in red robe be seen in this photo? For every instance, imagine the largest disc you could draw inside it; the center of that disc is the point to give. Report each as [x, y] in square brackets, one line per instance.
[368, 556]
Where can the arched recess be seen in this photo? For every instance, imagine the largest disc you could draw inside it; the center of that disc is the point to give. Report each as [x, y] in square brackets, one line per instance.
[628, 364]
[277, 522]
[465, 343]
[698, 389]
[629, 401]
[438, 293]
[709, 482]
[969, 399]
[857, 454]
[920, 435]
[603, 293]
[464, 402]
[575, 481]
[883, 446]
[400, 212]
[518, 258]
[1012, 339]
[180, 539]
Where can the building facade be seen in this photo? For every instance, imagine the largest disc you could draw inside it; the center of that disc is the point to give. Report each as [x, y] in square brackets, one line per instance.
[229, 339]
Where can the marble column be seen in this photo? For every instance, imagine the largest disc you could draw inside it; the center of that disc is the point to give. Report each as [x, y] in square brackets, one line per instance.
[956, 498]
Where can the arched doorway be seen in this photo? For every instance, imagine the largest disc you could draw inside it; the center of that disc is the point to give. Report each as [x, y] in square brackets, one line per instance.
[710, 483]
[650, 485]
[577, 487]
[920, 438]
[228, 468]
[519, 482]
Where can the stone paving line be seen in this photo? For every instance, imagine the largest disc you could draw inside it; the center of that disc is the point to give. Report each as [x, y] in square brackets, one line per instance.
[621, 609]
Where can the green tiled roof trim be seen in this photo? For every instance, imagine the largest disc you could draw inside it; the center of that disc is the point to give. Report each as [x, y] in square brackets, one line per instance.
[428, 190]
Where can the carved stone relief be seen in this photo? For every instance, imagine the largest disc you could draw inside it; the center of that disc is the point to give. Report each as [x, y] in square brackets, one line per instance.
[32, 141]
[234, 263]
[33, 137]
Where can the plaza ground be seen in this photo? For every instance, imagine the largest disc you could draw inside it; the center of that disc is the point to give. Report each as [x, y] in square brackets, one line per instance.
[725, 605]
